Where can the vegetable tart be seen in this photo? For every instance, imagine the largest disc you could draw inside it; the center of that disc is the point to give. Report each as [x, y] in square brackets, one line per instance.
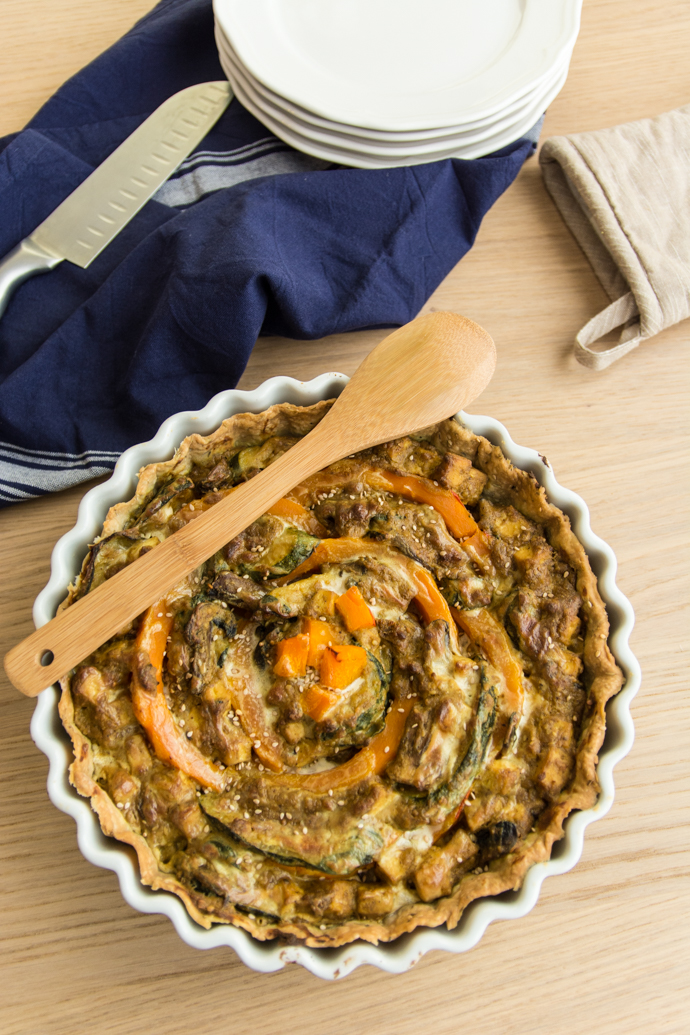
[375, 705]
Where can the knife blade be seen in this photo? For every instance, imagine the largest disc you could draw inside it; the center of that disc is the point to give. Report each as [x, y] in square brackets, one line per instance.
[92, 215]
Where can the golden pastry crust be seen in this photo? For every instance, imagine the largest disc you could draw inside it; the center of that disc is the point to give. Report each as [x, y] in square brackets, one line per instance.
[495, 717]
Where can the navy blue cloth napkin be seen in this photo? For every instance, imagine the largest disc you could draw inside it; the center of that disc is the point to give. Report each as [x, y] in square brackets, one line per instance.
[249, 236]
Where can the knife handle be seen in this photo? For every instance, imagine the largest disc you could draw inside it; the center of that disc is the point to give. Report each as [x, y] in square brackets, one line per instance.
[21, 263]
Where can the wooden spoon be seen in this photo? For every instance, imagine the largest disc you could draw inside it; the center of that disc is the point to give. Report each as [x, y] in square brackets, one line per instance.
[417, 376]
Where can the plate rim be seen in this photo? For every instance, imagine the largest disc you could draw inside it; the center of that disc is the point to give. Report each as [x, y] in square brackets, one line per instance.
[264, 65]
[302, 114]
[404, 150]
[360, 160]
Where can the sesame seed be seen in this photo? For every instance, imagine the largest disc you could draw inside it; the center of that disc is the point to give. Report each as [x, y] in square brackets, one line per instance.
[282, 815]
[330, 794]
[341, 802]
[168, 614]
[386, 750]
[207, 830]
[436, 484]
[189, 734]
[360, 826]
[289, 815]
[251, 916]
[304, 830]
[237, 797]
[257, 812]
[120, 805]
[261, 768]
[160, 614]
[246, 815]
[274, 744]
[181, 721]
[401, 710]
[322, 927]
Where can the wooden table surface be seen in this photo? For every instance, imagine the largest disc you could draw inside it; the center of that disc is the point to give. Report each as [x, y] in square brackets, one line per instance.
[607, 948]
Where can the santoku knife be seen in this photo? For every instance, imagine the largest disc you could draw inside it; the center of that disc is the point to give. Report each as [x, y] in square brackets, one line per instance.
[93, 214]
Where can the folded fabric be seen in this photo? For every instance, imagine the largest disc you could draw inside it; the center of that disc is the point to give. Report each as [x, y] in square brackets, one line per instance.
[624, 193]
[249, 236]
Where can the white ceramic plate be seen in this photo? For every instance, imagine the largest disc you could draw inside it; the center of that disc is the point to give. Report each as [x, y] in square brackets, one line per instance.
[397, 956]
[285, 108]
[360, 159]
[348, 138]
[400, 64]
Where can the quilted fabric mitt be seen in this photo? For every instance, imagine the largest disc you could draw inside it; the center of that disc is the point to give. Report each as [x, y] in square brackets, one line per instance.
[624, 193]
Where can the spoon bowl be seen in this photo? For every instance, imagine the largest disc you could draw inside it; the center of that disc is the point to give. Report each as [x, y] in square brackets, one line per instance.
[418, 375]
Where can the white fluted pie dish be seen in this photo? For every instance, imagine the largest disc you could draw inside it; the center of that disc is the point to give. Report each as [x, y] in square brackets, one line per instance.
[402, 953]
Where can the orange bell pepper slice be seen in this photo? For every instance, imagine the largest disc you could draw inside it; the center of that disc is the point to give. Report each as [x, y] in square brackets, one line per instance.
[320, 635]
[488, 633]
[447, 503]
[370, 761]
[293, 653]
[286, 508]
[355, 610]
[341, 665]
[151, 709]
[430, 601]
[298, 516]
[318, 701]
[477, 548]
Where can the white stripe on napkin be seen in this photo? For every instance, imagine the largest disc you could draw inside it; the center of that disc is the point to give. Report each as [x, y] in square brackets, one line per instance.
[226, 168]
[25, 473]
[42, 457]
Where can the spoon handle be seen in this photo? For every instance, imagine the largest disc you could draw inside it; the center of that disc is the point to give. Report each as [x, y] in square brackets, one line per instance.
[78, 630]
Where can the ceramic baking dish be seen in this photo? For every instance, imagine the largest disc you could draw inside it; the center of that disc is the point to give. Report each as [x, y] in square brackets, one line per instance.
[397, 956]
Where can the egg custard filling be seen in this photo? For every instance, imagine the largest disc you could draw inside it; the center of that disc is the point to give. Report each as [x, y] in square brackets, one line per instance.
[375, 705]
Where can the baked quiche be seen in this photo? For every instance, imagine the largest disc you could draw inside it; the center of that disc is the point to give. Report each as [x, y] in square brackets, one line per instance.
[375, 705]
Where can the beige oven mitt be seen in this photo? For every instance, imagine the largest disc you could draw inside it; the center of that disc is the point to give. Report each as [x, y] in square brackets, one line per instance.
[624, 193]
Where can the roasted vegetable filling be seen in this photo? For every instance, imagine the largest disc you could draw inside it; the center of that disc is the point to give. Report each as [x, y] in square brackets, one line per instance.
[373, 694]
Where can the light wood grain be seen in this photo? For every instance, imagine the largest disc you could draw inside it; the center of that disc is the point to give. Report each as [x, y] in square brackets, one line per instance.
[606, 948]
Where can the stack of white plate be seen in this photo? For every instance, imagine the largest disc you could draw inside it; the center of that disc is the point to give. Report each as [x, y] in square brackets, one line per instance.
[382, 83]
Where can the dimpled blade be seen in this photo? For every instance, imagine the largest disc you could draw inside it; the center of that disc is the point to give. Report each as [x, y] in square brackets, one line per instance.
[93, 214]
